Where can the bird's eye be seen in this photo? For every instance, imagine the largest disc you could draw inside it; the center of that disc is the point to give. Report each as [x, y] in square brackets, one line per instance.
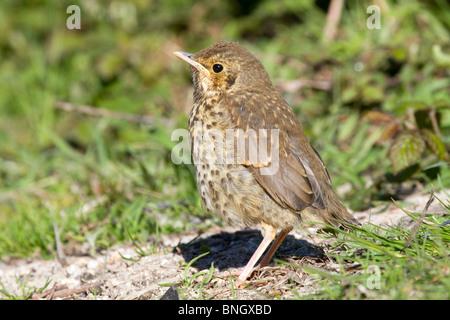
[217, 68]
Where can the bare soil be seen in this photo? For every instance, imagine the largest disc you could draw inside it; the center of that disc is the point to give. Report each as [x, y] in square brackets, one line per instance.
[108, 275]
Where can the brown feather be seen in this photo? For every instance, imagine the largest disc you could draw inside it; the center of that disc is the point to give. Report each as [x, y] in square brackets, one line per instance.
[294, 185]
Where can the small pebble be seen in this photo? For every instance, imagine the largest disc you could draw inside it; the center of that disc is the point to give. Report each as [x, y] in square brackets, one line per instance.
[93, 265]
[73, 271]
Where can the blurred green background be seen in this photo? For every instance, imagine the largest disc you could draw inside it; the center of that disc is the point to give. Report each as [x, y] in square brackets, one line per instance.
[374, 102]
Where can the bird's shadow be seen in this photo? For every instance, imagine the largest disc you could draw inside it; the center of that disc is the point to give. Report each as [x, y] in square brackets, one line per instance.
[234, 250]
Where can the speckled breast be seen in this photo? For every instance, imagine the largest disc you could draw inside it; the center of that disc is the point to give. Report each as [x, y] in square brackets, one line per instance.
[226, 187]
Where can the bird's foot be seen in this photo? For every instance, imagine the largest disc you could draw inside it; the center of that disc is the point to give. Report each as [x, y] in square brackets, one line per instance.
[242, 282]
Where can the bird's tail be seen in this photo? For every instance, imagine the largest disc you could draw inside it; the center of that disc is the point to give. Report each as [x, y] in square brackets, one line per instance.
[334, 214]
[338, 215]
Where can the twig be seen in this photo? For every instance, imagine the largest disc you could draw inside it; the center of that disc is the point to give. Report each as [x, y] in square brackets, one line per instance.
[434, 123]
[62, 291]
[416, 225]
[100, 112]
[37, 189]
[295, 85]
[384, 7]
[59, 249]
[333, 18]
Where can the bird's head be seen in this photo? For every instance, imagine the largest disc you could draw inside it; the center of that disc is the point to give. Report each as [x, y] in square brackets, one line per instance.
[225, 67]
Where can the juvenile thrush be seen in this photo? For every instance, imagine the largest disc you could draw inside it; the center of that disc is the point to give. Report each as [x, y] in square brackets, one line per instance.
[238, 115]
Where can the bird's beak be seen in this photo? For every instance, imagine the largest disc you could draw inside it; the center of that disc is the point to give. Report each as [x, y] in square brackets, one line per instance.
[188, 57]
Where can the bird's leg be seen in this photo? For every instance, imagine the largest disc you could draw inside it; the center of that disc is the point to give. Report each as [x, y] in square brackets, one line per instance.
[273, 248]
[269, 235]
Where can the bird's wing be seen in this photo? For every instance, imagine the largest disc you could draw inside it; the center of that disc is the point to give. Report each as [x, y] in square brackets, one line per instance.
[284, 171]
[291, 183]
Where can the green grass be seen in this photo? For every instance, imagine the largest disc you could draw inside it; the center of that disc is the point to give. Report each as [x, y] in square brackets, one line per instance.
[105, 181]
[391, 262]
[26, 291]
[193, 287]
